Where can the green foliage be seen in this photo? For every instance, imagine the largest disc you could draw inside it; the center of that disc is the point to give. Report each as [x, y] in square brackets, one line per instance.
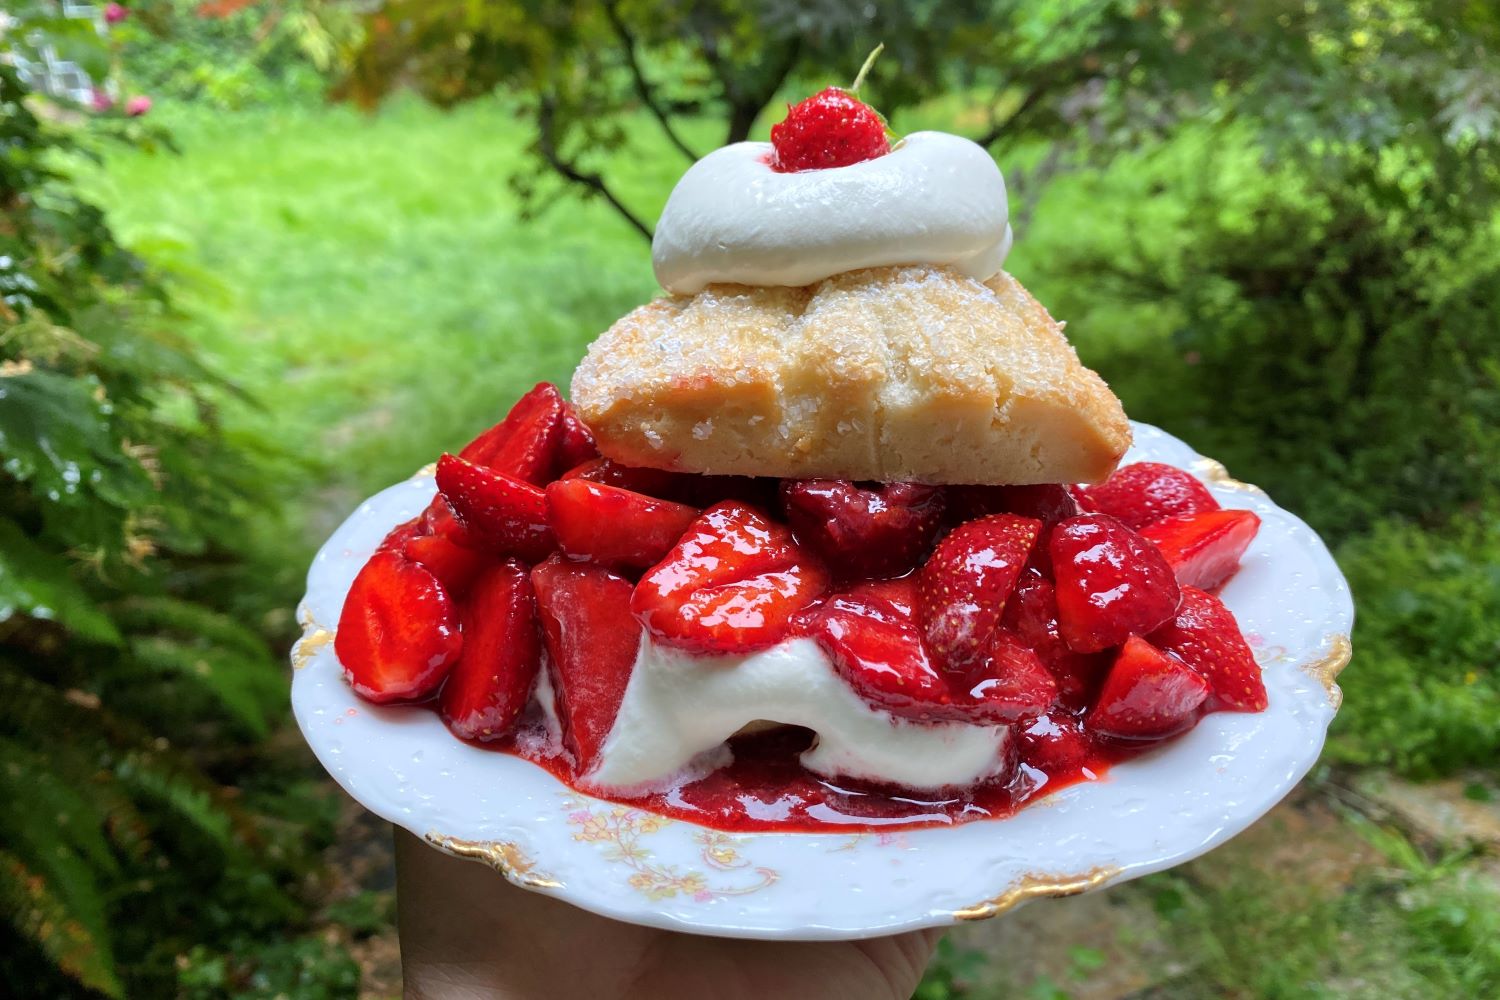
[230, 54]
[128, 687]
[1423, 694]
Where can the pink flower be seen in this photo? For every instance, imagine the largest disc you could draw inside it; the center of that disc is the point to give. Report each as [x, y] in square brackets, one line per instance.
[702, 896]
[138, 105]
[114, 13]
[101, 101]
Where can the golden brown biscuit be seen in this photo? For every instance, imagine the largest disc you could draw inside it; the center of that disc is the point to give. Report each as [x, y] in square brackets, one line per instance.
[885, 374]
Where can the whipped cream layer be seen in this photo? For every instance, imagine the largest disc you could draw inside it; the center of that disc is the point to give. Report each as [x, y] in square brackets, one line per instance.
[934, 199]
[679, 706]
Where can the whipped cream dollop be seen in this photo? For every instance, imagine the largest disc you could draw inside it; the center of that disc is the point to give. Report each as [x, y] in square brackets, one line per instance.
[680, 706]
[933, 199]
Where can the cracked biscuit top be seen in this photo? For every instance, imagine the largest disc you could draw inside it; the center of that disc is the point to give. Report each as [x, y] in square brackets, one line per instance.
[884, 374]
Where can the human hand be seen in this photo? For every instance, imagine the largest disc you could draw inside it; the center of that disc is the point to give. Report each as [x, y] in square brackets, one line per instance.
[467, 934]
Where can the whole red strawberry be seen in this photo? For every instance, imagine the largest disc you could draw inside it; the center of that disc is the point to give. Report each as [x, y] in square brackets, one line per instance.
[864, 533]
[832, 128]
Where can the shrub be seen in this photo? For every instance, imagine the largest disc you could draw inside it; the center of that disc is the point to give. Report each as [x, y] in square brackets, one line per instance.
[131, 685]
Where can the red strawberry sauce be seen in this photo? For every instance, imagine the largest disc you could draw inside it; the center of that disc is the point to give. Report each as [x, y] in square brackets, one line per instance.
[766, 789]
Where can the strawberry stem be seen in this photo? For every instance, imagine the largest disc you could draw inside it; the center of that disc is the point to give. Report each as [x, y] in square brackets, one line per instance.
[864, 70]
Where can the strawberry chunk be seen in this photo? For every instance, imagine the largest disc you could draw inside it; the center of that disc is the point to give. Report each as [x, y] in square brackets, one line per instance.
[1110, 583]
[1012, 684]
[1205, 636]
[864, 533]
[525, 444]
[1144, 492]
[615, 527]
[398, 537]
[500, 514]
[1047, 502]
[962, 588]
[652, 482]
[492, 681]
[875, 645]
[1148, 695]
[439, 520]
[398, 633]
[454, 565]
[731, 584]
[1054, 744]
[1204, 549]
[1031, 615]
[592, 640]
[575, 444]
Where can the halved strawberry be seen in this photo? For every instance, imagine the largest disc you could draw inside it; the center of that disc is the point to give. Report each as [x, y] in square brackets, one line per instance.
[1031, 615]
[524, 445]
[1054, 744]
[962, 588]
[875, 645]
[615, 527]
[1204, 549]
[1110, 582]
[1148, 695]
[575, 444]
[1144, 492]
[398, 633]
[864, 533]
[454, 565]
[592, 640]
[500, 514]
[492, 681]
[731, 584]
[1205, 636]
[1011, 685]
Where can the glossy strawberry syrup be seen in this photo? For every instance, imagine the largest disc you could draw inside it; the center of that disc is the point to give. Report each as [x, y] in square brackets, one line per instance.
[765, 788]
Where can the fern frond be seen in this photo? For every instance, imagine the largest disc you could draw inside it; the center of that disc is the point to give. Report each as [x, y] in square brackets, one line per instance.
[28, 903]
[245, 688]
[186, 620]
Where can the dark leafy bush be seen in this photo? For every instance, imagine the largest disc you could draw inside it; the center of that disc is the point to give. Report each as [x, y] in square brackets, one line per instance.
[134, 680]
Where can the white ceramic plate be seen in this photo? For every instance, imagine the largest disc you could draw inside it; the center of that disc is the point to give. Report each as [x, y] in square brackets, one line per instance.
[1150, 813]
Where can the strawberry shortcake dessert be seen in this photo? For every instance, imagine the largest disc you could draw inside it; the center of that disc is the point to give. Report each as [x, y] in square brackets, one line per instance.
[832, 535]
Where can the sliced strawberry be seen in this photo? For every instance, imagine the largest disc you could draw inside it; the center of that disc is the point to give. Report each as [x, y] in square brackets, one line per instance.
[962, 588]
[398, 537]
[875, 645]
[575, 444]
[439, 519]
[1031, 615]
[500, 514]
[1111, 583]
[1204, 549]
[1012, 685]
[525, 444]
[1139, 494]
[731, 584]
[398, 633]
[1148, 695]
[592, 640]
[454, 565]
[1205, 636]
[615, 527]
[492, 681]
[1054, 744]
[864, 533]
